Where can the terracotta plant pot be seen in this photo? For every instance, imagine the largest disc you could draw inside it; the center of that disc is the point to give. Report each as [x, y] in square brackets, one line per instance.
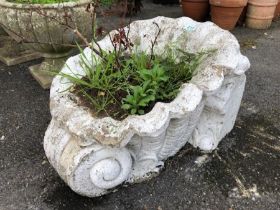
[196, 9]
[260, 13]
[277, 10]
[227, 12]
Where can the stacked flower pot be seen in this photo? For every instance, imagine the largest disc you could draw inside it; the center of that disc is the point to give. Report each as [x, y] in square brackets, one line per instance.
[226, 13]
[196, 9]
[260, 13]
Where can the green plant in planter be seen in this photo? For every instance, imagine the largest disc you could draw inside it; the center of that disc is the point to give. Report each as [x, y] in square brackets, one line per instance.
[140, 96]
[117, 85]
[125, 81]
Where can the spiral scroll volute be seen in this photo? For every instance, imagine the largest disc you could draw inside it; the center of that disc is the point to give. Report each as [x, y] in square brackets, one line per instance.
[96, 172]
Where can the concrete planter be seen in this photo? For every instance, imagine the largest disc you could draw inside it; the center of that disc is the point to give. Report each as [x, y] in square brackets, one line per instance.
[41, 24]
[93, 155]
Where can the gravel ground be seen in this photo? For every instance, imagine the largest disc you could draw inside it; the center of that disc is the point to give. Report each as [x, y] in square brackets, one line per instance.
[243, 173]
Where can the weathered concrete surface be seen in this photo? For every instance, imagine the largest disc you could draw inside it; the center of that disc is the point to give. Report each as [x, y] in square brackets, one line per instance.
[41, 25]
[244, 172]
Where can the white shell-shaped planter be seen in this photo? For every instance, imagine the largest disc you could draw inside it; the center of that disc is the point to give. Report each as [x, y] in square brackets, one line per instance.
[95, 155]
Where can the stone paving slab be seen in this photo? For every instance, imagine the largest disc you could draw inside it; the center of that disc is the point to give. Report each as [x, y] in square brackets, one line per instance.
[243, 173]
[12, 53]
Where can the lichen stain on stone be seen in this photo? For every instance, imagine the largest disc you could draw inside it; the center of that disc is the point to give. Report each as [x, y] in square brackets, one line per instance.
[219, 71]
